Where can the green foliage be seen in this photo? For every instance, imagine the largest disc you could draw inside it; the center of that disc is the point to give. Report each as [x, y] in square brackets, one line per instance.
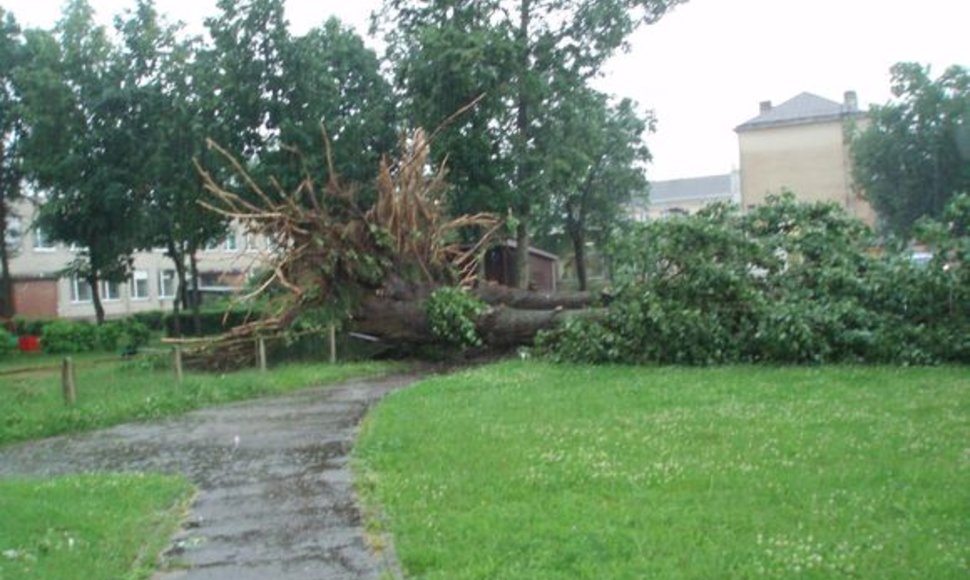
[30, 327]
[8, 343]
[524, 470]
[452, 313]
[107, 335]
[784, 283]
[67, 337]
[914, 154]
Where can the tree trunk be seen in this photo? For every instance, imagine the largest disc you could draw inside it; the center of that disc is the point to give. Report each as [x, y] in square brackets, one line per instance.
[96, 297]
[495, 295]
[579, 254]
[522, 254]
[196, 300]
[404, 322]
[178, 260]
[6, 280]
[522, 170]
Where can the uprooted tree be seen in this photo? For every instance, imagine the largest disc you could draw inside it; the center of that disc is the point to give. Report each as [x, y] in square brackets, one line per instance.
[373, 270]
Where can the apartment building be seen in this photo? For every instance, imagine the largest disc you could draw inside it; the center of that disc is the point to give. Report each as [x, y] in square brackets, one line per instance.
[40, 290]
[802, 145]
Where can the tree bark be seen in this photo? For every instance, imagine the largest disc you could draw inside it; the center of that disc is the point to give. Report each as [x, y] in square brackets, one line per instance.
[6, 284]
[522, 254]
[579, 254]
[405, 322]
[177, 259]
[96, 297]
[195, 301]
[495, 294]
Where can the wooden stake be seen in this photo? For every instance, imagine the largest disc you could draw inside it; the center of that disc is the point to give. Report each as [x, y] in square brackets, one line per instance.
[261, 343]
[178, 363]
[333, 344]
[69, 381]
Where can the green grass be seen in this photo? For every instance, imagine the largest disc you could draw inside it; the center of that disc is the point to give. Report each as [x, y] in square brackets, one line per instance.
[89, 526]
[31, 403]
[529, 470]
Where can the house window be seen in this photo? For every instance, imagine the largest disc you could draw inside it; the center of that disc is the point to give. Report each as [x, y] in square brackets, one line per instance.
[80, 290]
[42, 243]
[252, 243]
[166, 284]
[110, 291]
[13, 233]
[231, 245]
[139, 285]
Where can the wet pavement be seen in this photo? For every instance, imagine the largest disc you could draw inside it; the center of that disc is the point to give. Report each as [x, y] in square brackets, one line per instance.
[275, 497]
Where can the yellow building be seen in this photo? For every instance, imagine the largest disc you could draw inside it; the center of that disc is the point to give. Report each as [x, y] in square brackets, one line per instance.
[802, 145]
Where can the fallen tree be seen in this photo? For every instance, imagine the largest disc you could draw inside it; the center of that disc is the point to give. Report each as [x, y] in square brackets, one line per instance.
[370, 271]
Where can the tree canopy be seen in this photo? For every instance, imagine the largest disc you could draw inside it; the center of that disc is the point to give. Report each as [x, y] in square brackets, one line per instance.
[914, 155]
[525, 56]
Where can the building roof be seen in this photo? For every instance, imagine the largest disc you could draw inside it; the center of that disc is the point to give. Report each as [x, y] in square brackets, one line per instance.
[708, 188]
[803, 108]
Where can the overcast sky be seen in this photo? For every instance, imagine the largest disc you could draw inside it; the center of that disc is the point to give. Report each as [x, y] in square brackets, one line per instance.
[704, 68]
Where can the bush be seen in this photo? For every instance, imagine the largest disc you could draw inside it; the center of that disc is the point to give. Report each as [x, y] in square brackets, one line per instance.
[65, 337]
[25, 327]
[452, 313]
[107, 334]
[8, 343]
[153, 320]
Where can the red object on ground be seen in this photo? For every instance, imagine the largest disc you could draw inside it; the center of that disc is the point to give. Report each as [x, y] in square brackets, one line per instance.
[28, 344]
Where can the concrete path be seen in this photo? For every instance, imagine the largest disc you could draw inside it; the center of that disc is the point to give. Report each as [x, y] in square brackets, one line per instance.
[275, 497]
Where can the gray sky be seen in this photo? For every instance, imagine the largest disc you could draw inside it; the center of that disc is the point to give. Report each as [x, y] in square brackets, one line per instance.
[704, 68]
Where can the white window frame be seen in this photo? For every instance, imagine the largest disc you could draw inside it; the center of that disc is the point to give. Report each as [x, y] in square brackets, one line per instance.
[14, 232]
[136, 277]
[161, 285]
[104, 288]
[41, 242]
[76, 285]
[231, 243]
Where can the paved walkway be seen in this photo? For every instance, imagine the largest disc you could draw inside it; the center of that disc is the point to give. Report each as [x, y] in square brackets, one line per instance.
[275, 497]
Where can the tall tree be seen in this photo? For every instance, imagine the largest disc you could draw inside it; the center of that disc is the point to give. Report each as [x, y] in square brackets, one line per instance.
[80, 151]
[11, 48]
[914, 155]
[539, 48]
[598, 164]
[332, 79]
[171, 111]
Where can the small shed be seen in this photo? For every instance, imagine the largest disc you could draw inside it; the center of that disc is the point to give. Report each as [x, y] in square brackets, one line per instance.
[543, 266]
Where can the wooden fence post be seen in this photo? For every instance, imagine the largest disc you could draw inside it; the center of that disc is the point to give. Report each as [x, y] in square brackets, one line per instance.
[69, 381]
[261, 346]
[333, 344]
[178, 363]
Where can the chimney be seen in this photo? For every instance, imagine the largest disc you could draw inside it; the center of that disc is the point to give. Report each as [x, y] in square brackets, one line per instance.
[851, 102]
[765, 106]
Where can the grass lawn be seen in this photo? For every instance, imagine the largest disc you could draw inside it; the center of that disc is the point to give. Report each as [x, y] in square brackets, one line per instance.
[531, 470]
[91, 526]
[113, 392]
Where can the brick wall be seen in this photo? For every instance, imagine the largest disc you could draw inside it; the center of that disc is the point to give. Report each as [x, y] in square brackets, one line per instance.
[35, 298]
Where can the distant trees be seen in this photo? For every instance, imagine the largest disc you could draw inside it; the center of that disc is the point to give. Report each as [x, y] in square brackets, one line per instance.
[914, 156]
[107, 126]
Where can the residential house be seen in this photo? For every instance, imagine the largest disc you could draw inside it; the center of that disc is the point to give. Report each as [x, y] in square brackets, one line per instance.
[802, 145]
[41, 291]
[685, 196]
